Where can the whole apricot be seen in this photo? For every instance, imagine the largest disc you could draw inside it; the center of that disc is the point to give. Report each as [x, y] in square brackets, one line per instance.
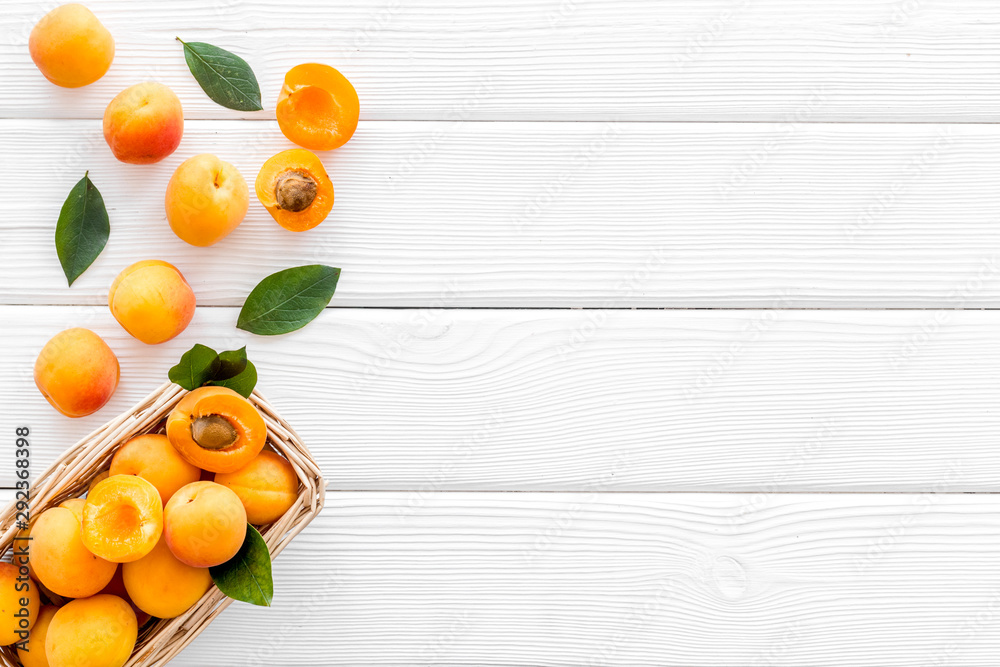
[74, 505]
[32, 652]
[98, 631]
[318, 107]
[206, 199]
[294, 188]
[153, 458]
[122, 518]
[216, 429]
[152, 301]
[59, 559]
[204, 524]
[19, 603]
[71, 47]
[77, 372]
[163, 586]
[144, 123]
[267, 487]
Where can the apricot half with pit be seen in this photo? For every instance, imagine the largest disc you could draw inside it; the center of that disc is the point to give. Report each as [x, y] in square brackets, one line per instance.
[294, 188]
[318, 107]
[216, 429]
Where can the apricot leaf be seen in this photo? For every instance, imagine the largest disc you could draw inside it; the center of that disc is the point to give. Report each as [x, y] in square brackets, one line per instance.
[247, 575]
[197, 366]
[243, 383]
[82, 230]
[288, 300]
[224, 76]
[231, 363]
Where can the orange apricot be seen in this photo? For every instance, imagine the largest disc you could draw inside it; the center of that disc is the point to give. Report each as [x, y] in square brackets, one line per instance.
[294, 188]
[19, 603]
[206, 199]
[163, 586]
[153, 458]
[318, 107]
[216, 429]
[122, 519]
[77, 372]
[98, 631]
[204, 524]
[267, 487]
[152, 301]
[31, 653]
[71, 47]
[144, 123]
[59, 559]
[74, 505]
[117, 587]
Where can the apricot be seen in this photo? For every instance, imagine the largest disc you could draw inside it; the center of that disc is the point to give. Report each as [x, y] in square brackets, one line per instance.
[74, 505]
[295, 190]
[98, 631]
[117, 587]
[19, 603]
[98, 478]
[144, 123]
[122, 519]
[216, 429]
[77, 372]
[318, 107]
[267, 487]
[152, 301]
[204, 524]
[206, 199]
[71, 47]
[163, 586]
[153, 458]
[59, 559]
[32, 652]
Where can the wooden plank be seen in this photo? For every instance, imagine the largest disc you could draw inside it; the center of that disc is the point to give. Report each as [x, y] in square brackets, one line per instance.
[555, 215]
[557, 60]
[429, 400]
[628, 579]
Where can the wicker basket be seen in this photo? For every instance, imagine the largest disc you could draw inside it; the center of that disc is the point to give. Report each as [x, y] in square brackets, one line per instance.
[161, 641]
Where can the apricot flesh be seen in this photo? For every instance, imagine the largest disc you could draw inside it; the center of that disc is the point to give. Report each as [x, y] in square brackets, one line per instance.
[71, 47]
[144, 123]
[19, 602]
[152, 301]
[122, 518]
[195, 431]
[267, 487]
[77, 372]
[318, 107]
[204, 524]
[152, 457]
[98, 631]
[59, 559]
[163, 586]
[295, 189]
[34, 656]
[206, 199]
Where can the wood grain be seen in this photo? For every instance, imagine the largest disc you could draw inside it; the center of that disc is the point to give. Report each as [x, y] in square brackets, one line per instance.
[555, 215]
[753, 401]
[556, 60]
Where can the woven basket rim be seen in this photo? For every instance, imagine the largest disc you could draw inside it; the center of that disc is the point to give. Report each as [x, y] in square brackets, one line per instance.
[70, 474]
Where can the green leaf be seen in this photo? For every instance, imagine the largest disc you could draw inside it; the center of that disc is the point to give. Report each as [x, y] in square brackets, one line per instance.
[231, 364]
[82, 230]
[243, 383]
[288, 300]
[224, 76]
[247, 575]
[197, 366]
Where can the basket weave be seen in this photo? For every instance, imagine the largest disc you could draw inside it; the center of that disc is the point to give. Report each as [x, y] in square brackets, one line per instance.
[159, 642]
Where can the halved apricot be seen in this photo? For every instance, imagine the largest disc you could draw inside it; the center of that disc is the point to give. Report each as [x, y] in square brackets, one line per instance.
[294, 188]
[318, 107]
[216, 429]
[122, 519]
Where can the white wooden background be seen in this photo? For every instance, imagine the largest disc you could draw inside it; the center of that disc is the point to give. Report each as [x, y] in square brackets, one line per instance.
[667, 333]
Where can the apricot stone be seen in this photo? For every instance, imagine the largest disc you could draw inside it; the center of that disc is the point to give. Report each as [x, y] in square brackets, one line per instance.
[206, 199]
[59, 559]
[71, 47]
[98, 631]
[32, 652]
[204, 524]
[77, 372]
[163, 586]
[144, 123]
[267, 487]
[122, 519]
[153, 458]
[19, 603]
[152, 301]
